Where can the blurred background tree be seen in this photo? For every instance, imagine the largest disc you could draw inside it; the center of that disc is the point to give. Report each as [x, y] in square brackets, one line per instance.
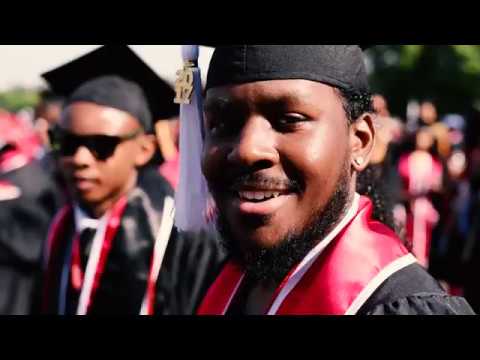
[448, 74]
[19, 98]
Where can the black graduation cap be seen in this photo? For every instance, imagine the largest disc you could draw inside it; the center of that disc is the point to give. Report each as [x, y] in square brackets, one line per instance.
[340, 66]
[115, 76]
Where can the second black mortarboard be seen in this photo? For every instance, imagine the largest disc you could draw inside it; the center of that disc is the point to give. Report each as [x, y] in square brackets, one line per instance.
[115, 76]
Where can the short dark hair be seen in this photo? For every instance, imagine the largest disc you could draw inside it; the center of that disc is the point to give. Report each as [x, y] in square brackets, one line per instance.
[356, 103]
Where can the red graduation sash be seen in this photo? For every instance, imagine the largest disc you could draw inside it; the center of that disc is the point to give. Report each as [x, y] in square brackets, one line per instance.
[56, 236]
[337, 282]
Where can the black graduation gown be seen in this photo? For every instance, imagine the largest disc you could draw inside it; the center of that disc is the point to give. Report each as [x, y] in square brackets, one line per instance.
[24, 225]
[190, 264]
[412, 291]
[179, 292]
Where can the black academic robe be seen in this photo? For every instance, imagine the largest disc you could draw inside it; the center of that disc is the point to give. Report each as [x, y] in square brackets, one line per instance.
[24, 223]
[412, 291]
[191, 262]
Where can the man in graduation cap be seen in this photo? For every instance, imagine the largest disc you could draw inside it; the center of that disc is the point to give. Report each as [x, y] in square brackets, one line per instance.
[112, 250]
[288, 128]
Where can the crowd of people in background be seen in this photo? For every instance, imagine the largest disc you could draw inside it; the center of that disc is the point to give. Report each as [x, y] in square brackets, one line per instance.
[427, 166]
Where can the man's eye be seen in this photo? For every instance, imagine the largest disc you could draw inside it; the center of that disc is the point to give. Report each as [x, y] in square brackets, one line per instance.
[225, 124]
[216, 127]
[291, 119]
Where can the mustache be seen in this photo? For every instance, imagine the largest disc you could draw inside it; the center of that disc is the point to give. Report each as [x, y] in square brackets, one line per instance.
[260, 181]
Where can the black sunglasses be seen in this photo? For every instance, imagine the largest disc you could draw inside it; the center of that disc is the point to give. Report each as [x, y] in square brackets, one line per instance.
[102, 147]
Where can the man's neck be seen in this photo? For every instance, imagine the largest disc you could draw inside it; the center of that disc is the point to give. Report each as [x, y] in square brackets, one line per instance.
[97, 211]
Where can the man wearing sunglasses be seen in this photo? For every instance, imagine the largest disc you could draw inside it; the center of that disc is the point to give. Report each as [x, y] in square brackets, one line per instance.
[113, 249]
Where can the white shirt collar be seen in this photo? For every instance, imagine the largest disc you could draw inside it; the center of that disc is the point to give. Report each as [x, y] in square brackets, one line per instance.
[83, 221]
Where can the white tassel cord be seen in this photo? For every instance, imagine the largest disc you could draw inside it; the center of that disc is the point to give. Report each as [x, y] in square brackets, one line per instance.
[192, 195]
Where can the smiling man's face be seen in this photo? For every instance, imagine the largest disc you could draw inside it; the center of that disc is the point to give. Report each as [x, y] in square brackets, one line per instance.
[276, 154]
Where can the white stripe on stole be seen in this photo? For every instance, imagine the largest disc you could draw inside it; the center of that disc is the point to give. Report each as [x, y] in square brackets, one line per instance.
[310, 259]
[378, 280]
[92, 266]
[233, 294]
[160, 247]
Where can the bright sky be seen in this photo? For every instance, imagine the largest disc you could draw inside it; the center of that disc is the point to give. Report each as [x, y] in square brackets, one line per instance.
[22, 65]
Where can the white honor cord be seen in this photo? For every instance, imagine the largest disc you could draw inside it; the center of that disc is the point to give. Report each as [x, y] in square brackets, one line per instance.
[161, 243]
[92, 266]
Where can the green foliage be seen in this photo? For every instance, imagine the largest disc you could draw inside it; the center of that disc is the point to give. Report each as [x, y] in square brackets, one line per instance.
[19, 98]
[447, 74]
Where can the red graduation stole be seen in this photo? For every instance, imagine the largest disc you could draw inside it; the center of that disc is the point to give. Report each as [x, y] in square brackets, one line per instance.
[336, 282]
[56, 236]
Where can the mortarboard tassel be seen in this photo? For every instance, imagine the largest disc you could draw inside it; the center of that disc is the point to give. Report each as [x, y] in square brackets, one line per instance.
[193, 202]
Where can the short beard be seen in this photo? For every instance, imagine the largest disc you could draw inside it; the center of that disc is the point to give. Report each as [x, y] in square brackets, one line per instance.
[270, 266]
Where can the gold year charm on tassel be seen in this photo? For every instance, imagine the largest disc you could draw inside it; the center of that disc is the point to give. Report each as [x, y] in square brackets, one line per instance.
[184, 84]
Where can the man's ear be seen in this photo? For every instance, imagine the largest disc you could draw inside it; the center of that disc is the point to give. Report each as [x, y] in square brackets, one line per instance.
[147, 150]
[362, 141]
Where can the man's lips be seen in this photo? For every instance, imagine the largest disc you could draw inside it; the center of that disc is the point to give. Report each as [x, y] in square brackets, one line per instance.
[84, 183]
[257, 195]
[249, 200]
